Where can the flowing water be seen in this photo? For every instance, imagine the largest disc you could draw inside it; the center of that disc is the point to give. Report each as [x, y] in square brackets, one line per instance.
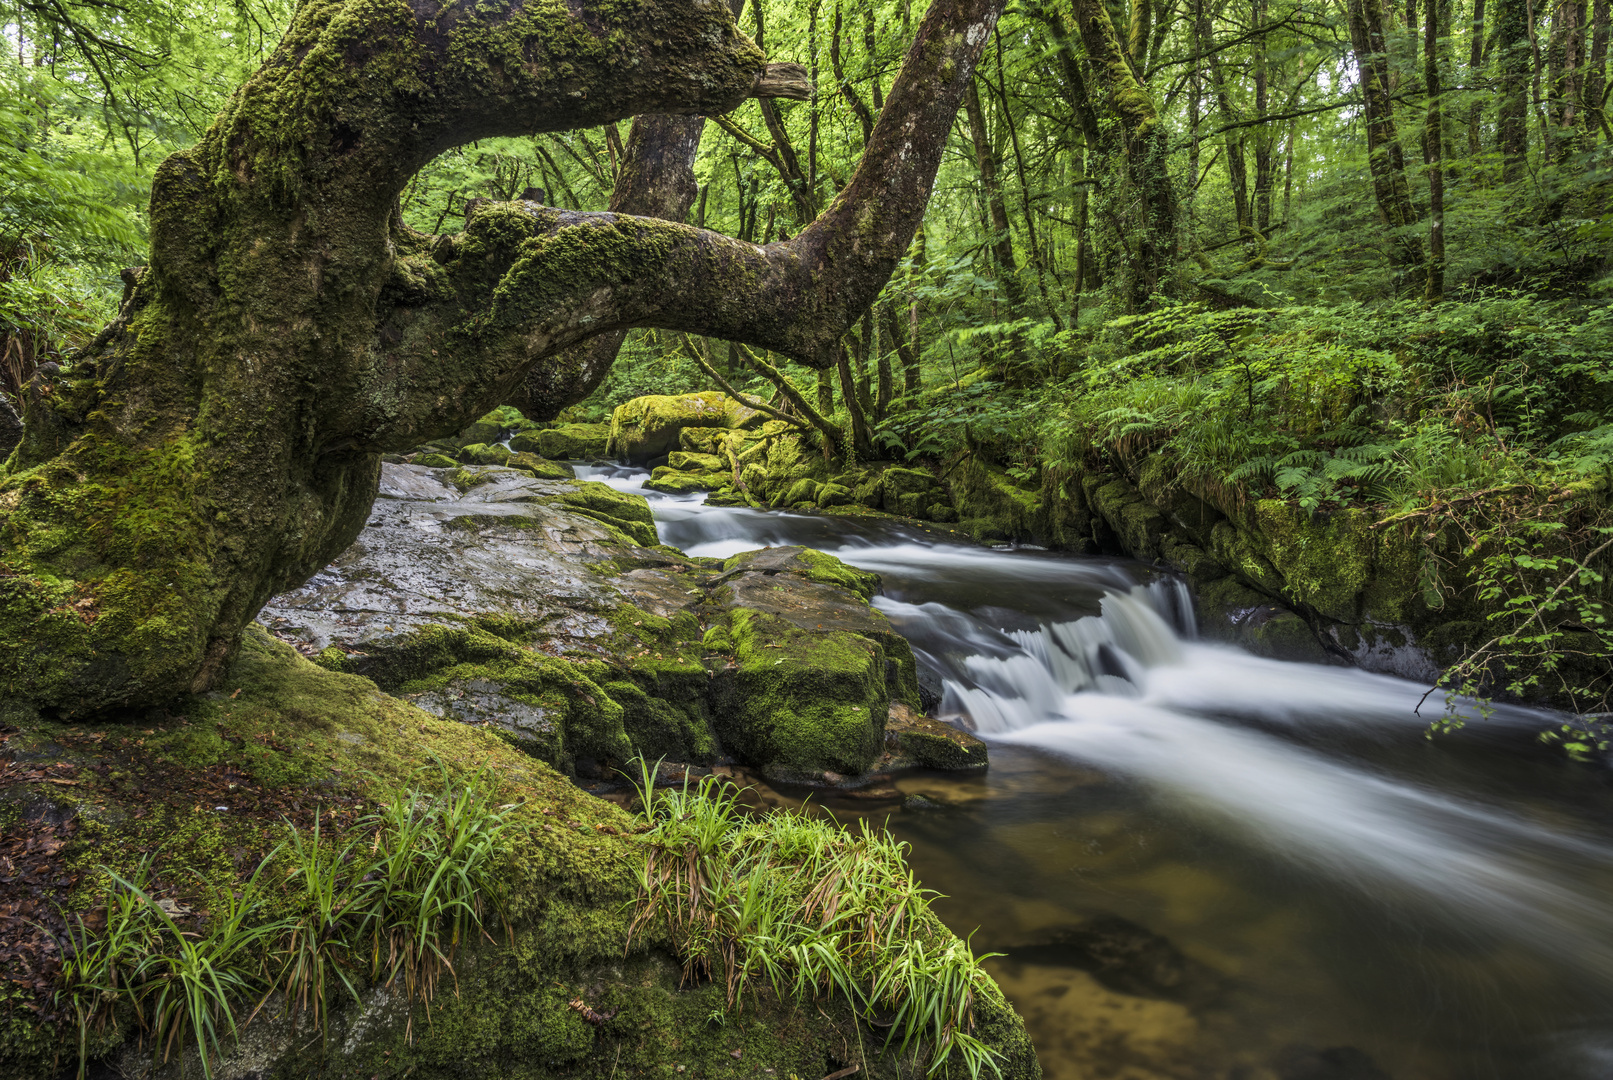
[1288, 880]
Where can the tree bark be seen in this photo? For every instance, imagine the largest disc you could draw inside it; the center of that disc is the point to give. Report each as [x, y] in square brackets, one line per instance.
[1434, 287]
[1475, 77]
[1384, 156]
[1596, 73]
[1512, 75]
[1144, 142]
[220, 441]
[657, 180]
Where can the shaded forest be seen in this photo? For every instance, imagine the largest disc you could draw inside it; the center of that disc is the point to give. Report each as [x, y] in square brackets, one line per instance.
[1334, 254]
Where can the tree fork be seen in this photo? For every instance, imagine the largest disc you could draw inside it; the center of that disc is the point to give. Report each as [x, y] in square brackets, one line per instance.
[221, 441]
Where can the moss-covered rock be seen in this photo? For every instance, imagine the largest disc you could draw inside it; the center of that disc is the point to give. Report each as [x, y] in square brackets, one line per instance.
[990, 506]
[542, 468]
[292, 740]
[526, 442]
[703, 440]
[574, 442]
[436, 461]
[543, 610]
[672, 481]
[814, 669]
[484, 454]
[686, 461]
[647, 428]
[913, 738]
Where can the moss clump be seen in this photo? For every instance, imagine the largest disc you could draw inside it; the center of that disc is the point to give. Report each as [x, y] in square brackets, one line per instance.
[802, 702]
[572, 442]
[670, 481]
[483, 454]
[629, 514]
[542, 468]
[437, 461]
[807, 563]
[647, 428]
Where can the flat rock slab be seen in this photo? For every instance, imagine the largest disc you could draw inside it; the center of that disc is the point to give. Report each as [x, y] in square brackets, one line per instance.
[543, 609]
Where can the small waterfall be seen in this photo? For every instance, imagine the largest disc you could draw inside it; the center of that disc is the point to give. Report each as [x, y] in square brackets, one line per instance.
[1108, 653]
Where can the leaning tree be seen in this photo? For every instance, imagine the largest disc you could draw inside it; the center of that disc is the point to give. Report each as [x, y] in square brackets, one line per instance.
[220, 441]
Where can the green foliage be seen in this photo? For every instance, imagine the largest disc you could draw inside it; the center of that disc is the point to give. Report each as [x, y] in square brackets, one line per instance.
[809, 909]
[181, 986]
[391, 905]
[1553, 622]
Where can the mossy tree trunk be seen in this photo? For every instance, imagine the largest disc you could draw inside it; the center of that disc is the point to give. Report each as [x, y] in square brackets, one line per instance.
[220, 441]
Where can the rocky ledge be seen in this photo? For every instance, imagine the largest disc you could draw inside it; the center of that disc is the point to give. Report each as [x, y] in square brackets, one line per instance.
[546, 610]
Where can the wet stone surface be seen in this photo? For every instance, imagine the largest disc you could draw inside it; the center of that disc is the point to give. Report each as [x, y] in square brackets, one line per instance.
[544, 609]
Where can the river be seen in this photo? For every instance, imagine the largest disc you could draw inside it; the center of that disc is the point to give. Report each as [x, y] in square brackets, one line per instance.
[1204, 864]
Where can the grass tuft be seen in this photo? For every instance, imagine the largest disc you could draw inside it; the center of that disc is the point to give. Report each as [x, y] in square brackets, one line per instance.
[809, 909]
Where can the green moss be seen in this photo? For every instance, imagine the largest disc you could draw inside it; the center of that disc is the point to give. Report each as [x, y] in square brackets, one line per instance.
[649, 427]
[1325, 560]
[482, 454]
[671, 481]
[629, 514]
[542, 468]
[801, 701]
[805, 562]
[437, 461]
[570, 442]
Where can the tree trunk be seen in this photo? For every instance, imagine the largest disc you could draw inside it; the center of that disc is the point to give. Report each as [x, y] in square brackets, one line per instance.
[1002, 240]
[1475, 77]
[1596, 73]
[1434, 287]
[1151, 237]
[221, 441]
[1384, 157]
[1512, 75]
[911, 376]
[657, 180]
[1264, 137]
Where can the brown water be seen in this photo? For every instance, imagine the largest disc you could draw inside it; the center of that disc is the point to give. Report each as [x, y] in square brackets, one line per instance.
[1205, 864]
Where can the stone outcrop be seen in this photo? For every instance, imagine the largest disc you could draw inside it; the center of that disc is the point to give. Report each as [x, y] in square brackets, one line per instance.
[208, 786]
[10, 427]
[546, 610]
[647, 428]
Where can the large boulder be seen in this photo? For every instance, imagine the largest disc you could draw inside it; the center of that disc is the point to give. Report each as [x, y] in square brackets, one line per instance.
[544, 610]
[573, 442]
[648, 428]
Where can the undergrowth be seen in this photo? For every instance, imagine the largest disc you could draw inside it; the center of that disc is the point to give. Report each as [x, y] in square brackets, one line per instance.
[808, 909]
[390, 907]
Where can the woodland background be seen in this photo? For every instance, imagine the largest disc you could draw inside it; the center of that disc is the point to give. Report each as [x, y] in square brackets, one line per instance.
[1326, 251]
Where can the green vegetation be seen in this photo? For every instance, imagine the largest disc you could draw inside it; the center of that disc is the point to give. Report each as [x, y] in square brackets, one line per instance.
[391, 906]
[811, 910]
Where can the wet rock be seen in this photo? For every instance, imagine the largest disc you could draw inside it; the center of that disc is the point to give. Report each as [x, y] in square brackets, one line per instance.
[647, 428]
[815, 667]
[541, 467]
[574, 442]
[918, 740]
[1123, 957]
[544, 610]
[436, 461]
